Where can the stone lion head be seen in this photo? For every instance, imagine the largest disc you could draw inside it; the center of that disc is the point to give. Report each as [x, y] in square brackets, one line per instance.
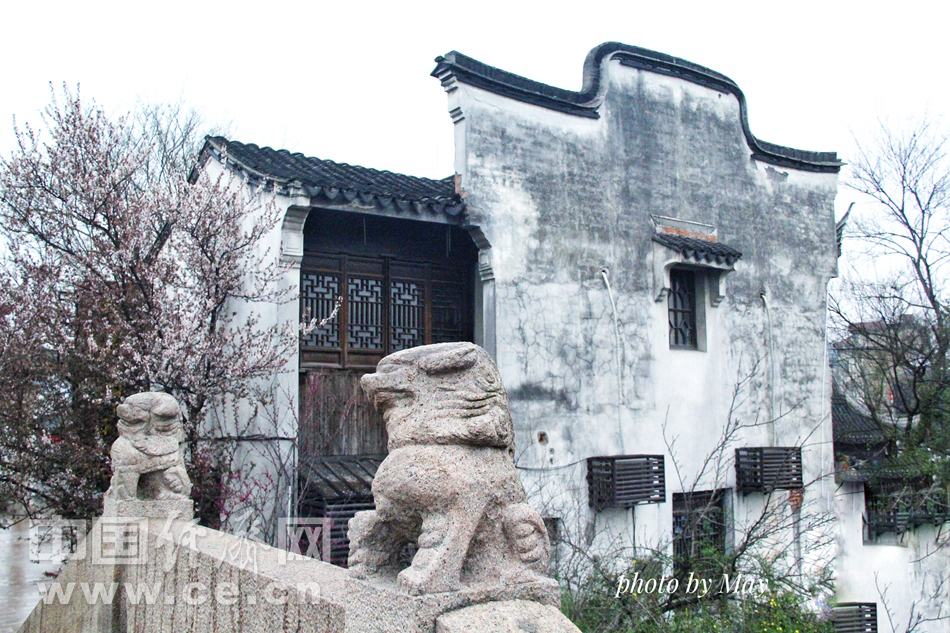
[151, 421]
[448, 393]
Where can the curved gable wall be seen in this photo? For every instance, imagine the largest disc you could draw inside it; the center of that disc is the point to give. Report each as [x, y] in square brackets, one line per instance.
[559, 196]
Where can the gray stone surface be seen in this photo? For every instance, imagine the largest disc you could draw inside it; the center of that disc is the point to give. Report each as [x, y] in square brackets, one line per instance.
[73, 613]
[448, 484]
[381, 607]
[192, 579]
[181, 509]
[19, 575]
[509, 616]
[196, 579]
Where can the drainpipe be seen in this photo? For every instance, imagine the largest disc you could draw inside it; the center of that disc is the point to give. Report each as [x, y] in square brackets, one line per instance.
[795, 499]
[617, 350]
[771, 349]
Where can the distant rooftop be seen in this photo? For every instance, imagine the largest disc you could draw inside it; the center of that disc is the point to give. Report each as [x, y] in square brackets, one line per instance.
[849, 426]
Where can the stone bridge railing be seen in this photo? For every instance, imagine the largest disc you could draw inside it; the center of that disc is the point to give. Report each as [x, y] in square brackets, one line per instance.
[448, 486]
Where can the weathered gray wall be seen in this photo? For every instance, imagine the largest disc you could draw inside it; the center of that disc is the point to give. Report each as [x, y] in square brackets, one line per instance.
[560, 196]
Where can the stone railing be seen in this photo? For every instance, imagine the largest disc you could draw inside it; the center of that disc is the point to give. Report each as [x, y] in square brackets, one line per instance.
[448, 486]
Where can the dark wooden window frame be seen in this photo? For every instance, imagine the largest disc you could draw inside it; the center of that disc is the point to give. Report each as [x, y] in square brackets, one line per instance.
[898, 505]
[855, 617]
[699, 521]
[378, 315]
[336, 488]
[682, 308]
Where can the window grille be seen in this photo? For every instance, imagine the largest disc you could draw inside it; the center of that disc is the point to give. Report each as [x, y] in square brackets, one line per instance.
[364, 313]
[855, 617]
[448, 314]
[388, 305]
[623, 481]
[406, 316]
[898, 505]
[765, 469]
[682, 308]
[318, 293]
[699, 530]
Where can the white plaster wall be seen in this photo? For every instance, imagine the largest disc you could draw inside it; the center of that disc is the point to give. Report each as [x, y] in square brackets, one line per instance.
[904, 574]
[559, 197]
[269, 463]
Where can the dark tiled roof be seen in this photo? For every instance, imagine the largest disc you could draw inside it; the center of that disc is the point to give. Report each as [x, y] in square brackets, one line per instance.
[850, 426]
[858, 443]
[460, 67]
[701, 251]
[338, 182]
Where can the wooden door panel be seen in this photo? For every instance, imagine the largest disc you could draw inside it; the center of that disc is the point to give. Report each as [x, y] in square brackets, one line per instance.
[336, 417]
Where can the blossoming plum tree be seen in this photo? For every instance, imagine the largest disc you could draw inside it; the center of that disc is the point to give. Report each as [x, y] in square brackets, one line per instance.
[125, 269]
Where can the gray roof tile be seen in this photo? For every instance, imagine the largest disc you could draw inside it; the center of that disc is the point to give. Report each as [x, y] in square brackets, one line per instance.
[339, 182]
[702, 251]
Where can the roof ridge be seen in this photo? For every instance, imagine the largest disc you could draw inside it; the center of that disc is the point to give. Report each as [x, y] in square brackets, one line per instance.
[330, 182]
[331, 161]
[456, 66]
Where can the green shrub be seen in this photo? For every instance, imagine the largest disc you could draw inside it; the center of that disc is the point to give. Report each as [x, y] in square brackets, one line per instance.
[595, 606]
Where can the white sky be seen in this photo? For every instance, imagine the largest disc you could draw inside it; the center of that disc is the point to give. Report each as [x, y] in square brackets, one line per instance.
[350, 81]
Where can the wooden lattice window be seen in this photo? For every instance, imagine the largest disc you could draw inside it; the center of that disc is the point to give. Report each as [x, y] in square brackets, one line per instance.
[855, 617]
[699, 530]
[682, 309]
[623, 481]
[895, 506]
[388, 305]
[764, 469]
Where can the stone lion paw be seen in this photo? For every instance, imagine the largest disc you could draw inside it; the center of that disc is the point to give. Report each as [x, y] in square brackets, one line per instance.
[357, 568]
[530, 547]
[412, 581]
[174, 483]
[417, 582]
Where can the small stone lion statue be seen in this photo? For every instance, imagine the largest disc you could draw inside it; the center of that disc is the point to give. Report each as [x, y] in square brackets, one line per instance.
[147, 462]
[448, 484]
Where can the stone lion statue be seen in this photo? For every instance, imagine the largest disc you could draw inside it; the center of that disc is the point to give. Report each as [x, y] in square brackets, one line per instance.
[147, 462]
[448, 484]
